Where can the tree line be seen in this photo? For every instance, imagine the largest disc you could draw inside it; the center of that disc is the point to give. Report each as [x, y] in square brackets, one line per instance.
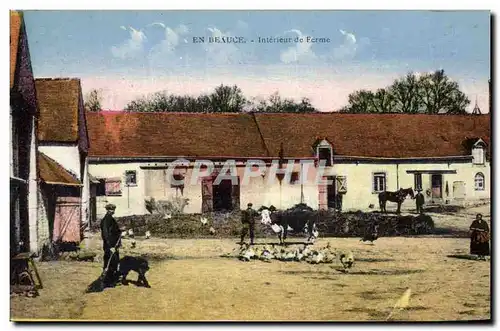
[431, 93]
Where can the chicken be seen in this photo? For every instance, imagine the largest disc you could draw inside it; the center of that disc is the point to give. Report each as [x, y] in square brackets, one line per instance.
[124, 234]
[167, 216]
[212, 231]
[131, 233]
[148, 234]
[203, 221]
[266, 256]
[246, 253]
[132, 245]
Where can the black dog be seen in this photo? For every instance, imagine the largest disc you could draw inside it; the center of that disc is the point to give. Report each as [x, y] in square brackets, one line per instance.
[137, 264]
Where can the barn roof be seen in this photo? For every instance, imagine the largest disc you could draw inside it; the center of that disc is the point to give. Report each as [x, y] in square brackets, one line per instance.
[15, 36]
[53, 173]
[58, 102]
[123, 134]
[373, 135]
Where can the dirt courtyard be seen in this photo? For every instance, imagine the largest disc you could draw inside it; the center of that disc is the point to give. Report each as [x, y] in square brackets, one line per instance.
[190, 281]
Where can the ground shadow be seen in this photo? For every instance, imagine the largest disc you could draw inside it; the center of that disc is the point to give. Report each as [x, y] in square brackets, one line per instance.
[464, 257]
[355, 272]
[378, 272]
[372, 313]
[369, 259]
[288, 243]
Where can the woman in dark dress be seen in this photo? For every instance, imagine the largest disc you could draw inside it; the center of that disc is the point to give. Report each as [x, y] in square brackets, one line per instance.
[480, 237]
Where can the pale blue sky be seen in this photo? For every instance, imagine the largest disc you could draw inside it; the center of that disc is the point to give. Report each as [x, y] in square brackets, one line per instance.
[106, 48]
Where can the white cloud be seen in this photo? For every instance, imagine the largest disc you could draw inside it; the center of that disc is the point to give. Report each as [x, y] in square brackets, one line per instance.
[301, 52]
[123, 28]
[350, 46]
[157, 24]
[221, 53]
[131, 47]
[166, 50]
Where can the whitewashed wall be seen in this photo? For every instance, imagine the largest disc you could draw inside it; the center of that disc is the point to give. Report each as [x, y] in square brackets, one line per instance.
[33, 193]
[67, 156]
[360, 180]
[260, 192]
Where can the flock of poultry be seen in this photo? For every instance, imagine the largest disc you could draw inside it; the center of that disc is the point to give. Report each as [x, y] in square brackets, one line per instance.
[305, 253]
[280, 253]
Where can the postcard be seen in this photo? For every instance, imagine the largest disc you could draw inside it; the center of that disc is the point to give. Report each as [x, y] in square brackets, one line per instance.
[318, 166]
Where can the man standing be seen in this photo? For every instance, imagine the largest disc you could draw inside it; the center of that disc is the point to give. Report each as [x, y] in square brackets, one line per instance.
[111, 241]
[248, 222]
[419, 201]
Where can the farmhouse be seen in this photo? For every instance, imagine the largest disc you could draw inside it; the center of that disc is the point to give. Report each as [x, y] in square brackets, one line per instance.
[62, 159]
[445, 156]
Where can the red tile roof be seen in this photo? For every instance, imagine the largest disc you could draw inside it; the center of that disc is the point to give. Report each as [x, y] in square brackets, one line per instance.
[58, 102]
[15, 34]
[373, 135]
[122, 134]
[52, 172]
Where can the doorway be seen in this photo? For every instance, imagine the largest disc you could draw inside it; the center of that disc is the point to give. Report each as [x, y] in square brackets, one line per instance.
[437, 186]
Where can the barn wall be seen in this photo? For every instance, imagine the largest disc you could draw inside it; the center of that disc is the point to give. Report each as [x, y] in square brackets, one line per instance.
[360, 180]
[259, 191]
[67, 156]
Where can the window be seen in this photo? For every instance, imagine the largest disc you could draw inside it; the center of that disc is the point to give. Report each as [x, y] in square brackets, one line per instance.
[113, 186]
[418, 182]
[379, 182]
[479, 182]
[478, 155]
[325, 153]
[131, 178]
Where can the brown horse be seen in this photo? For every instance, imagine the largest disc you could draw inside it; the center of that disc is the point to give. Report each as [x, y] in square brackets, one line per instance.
[398, 197]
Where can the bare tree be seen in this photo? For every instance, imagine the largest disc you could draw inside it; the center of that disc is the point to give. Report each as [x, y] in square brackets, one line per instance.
[93, 100]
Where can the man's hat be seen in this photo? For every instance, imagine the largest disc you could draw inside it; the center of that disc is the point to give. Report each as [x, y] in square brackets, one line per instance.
[110, 206]
[249, 205]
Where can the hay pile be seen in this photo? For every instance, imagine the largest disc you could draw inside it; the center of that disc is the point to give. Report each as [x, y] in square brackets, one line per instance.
[355, 224]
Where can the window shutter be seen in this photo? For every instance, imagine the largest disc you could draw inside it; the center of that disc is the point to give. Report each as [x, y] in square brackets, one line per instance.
[341, 184]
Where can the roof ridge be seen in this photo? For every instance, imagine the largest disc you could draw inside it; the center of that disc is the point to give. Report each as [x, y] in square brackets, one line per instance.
[57, 78]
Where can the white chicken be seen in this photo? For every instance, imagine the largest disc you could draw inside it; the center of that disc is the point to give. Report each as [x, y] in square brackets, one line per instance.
[212, 230]
[266, 255]
[124, 234]
[148, 234]
[131, 233]
[203, 220]
[167, 216]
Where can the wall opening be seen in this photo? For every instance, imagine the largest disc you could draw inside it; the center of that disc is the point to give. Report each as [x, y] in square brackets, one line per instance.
[225, 196]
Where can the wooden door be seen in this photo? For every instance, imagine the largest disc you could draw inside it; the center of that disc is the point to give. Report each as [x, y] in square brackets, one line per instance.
[437, 186]
[459, 190]
[67, 220]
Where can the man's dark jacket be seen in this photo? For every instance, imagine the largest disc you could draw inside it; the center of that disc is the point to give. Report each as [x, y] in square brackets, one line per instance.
[110, 231]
